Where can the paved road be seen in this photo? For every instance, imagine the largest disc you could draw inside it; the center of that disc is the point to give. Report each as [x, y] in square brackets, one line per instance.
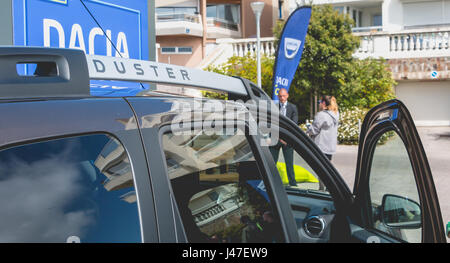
[436, 141]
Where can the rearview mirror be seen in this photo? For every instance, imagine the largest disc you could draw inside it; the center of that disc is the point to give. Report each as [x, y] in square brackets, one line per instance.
[401, 212]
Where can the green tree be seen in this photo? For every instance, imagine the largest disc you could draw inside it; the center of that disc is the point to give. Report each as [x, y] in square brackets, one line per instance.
[369, 84]
[246, 67]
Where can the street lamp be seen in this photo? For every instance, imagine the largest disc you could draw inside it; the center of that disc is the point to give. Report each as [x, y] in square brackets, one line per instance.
[257, 8]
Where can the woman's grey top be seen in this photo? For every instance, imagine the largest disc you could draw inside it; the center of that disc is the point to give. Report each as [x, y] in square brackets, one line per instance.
[324, 131]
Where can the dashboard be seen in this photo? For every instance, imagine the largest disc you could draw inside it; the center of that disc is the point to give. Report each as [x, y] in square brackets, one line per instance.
[314, 213]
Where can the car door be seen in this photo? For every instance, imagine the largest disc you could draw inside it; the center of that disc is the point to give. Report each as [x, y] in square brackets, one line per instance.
[320, 212]
[73, 170]
[395, 196]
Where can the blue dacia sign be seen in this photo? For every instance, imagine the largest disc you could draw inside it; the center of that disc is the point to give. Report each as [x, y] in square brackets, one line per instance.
[117, 28]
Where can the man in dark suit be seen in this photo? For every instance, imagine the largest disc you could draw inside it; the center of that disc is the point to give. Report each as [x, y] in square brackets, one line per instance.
[290, 111]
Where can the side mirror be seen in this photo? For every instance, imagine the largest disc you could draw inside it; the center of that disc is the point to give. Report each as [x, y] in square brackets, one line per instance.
[400, 212]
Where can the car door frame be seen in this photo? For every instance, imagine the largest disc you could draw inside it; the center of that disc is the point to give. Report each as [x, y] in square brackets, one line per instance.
[301, 143]
[165, 203]
[267, 168]
[394, 116]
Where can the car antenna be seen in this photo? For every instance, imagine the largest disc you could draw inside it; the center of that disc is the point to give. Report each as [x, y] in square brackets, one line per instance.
[104, 33]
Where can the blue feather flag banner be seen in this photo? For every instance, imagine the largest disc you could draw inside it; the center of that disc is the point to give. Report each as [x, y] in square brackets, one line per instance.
[290, 49]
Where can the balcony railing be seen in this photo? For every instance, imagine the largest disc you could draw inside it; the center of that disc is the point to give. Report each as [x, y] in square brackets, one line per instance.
[179, 24]
[243, 47]
[409, 43]
[367, 29]
[178, 18]
[228, 47]
[420, 43]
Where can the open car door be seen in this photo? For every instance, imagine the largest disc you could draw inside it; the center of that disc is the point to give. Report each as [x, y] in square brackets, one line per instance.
[395, 196]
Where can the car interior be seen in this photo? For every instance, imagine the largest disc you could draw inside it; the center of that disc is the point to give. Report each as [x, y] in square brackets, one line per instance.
[220, 193]
[312, 204]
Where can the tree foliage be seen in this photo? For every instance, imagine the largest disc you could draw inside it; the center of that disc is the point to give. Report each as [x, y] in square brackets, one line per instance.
[246, 67]
[327, 56]
[369, 83]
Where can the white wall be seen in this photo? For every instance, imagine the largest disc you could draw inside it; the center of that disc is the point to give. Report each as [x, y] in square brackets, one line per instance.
[428, 102]
[426, 13]
[399, 13]
[392, 15]
[447, 11]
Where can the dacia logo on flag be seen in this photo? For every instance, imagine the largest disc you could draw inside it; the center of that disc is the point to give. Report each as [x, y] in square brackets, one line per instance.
[261, 186]
[64, 2]
[291, 47]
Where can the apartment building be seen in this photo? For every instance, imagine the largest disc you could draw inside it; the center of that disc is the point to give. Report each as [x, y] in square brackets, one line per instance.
[187, 31]
[414, 36]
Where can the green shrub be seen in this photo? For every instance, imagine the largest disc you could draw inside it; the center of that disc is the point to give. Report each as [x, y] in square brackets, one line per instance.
[350, 122]
[369, 84]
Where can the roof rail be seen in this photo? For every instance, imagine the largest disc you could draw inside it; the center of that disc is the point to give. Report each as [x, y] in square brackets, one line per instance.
[114, 68]
[56, 72]
[66, 72]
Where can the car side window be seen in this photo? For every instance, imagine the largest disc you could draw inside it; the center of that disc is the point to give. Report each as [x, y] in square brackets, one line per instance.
[393, 192]
[291, 164]
[77, 189]
[219, 190]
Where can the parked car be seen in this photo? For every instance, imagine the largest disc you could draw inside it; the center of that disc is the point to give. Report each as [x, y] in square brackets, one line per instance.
[78, 168]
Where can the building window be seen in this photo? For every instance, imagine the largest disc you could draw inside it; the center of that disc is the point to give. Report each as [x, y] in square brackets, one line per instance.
[171, 14]
[211, 11]
[176, 10]
[168, 50]
[377, 20]
[280, 9]
[360, 18]
[176, 50]
[227, 12]
[356, 15]
[185, 50]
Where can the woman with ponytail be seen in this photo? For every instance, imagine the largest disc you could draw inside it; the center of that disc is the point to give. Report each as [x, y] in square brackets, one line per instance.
[325, 125]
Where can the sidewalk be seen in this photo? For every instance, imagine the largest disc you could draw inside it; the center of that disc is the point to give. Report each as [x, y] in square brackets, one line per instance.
[436, 141]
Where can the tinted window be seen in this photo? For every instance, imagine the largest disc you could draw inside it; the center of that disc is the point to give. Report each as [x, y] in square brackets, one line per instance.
[391, 174]
[291, 163]
[228, 12]
[185, 49]
[377, 20]
[168, 50]
[68, 190]
[219, 189]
